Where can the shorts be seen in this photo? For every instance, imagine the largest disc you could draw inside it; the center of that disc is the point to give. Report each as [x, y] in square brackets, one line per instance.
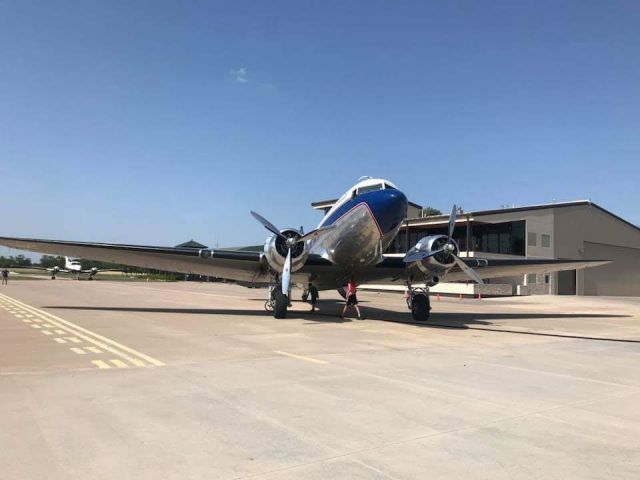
[352, 300]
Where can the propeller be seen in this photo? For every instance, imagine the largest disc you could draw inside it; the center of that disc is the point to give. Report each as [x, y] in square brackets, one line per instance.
[290, 242]
[449, 249]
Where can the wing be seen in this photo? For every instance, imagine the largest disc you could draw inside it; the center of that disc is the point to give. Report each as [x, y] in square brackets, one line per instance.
[228, 264]
[393, 269]
[495, 268]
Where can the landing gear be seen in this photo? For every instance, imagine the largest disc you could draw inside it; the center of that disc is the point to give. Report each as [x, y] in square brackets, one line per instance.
[305, 295]
[281, 304]
[419, 304]
[420, 307]
[278, 302]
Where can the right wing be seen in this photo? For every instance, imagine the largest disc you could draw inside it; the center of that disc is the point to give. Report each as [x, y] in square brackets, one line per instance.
[392, 269]
[229, 264]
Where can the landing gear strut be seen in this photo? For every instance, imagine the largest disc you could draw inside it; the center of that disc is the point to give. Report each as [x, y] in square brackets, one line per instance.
[419, 304]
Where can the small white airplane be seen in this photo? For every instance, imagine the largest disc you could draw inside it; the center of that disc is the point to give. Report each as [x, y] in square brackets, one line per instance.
[73, 266]
[349, 244]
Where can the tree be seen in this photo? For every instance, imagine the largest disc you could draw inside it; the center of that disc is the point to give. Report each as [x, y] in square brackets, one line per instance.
[19, 261]
[49, 261]
[429, 211]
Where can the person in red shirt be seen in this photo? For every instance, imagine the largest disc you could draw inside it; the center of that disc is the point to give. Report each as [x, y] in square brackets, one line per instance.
[352, 299]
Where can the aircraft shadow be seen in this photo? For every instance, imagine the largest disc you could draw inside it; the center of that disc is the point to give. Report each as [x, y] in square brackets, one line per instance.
[329, 312]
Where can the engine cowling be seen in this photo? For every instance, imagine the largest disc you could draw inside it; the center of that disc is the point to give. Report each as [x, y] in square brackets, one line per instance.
[441, 260]
[276, 248]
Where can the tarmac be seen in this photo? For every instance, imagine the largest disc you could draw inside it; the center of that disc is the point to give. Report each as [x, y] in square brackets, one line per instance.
[112, 379]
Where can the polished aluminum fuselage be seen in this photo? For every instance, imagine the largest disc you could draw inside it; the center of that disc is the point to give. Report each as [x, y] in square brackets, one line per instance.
[355, 240]
[364, 227]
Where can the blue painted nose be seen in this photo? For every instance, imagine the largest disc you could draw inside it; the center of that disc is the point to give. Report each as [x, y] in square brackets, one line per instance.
[389, 207]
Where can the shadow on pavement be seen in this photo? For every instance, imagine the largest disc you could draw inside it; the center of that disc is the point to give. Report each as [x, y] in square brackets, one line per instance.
[329, 312]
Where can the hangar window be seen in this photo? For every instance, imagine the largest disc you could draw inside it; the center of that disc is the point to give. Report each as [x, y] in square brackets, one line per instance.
[532, 278]
[369, 188]
[545, 240]
[532, 239]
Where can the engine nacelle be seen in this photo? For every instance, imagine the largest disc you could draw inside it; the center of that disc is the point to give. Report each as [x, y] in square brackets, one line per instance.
[440, 261]
[276, 248]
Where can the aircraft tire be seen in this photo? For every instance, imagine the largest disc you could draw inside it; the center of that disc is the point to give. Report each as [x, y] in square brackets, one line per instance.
[420, 307]
[281, 304]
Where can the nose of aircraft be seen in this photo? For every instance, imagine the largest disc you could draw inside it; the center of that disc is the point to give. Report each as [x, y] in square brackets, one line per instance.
[390, 209]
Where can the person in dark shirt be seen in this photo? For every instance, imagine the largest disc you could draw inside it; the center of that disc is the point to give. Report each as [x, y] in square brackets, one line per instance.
[5, 276]
[313, 293]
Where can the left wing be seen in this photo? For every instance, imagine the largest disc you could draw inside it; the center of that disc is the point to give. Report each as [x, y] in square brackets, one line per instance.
[229, 264]
[392, 268]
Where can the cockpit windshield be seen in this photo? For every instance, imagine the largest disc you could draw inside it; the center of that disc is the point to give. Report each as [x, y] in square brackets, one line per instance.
[369, 188]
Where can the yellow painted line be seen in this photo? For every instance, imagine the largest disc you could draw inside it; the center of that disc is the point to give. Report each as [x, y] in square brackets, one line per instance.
[138, 363]
[100, 364]
[119, 363]
[47, 325]
[37, 320]
[71, 339]
[36, 326]
[60, 332]
[26, 320]
[78, 350]
[59, 340]
[94, 349]
[301, 357]
[46, 332]
[89, 336]
[19, 316]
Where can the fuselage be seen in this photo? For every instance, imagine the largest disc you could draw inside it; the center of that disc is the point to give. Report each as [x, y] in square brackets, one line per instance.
[72, 264]
[367, 218]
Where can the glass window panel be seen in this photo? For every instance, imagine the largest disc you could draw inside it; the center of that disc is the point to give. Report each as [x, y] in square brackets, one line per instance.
[545, 240]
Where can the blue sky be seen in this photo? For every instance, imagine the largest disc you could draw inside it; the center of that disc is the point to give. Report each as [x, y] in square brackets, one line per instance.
[155, 122]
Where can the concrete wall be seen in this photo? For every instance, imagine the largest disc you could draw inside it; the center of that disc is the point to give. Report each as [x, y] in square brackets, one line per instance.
[621, 277]
[577, 227]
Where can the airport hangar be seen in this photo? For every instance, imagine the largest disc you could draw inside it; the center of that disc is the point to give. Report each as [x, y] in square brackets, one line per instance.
[577, 229]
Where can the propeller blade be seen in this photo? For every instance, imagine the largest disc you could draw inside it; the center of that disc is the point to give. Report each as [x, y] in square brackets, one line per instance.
[286, 274]
[452, 220]
[471, 273]
[419, 255]
[267, 224]
[312, 235]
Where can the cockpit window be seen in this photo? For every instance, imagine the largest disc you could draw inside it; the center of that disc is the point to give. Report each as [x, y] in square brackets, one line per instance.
[389, 187]
[370, 188]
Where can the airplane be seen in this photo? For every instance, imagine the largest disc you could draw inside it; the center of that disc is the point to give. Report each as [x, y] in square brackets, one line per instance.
[348, 244]
[72, 265]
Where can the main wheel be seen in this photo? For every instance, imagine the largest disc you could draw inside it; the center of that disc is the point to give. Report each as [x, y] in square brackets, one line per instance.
[305, 296]
[281, 304]
[420, 307]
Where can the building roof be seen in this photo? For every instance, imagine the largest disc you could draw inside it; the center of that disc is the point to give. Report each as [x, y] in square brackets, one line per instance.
[543, 206]
[191, 244]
